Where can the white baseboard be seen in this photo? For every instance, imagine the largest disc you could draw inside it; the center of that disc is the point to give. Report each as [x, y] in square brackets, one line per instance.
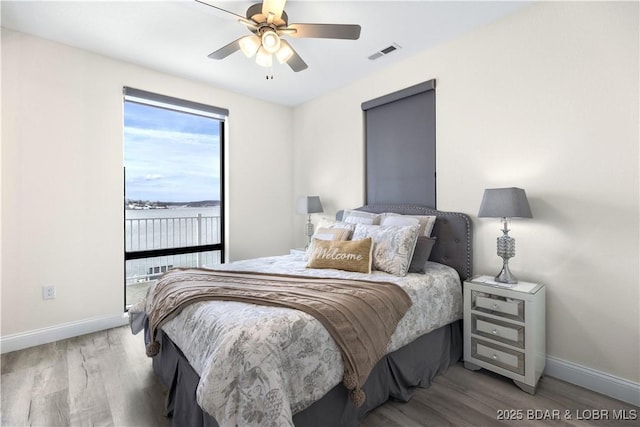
[60, 332]
[600, 382]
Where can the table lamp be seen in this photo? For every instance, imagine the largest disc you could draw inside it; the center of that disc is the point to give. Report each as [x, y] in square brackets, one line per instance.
[308, 205]
[505, 203]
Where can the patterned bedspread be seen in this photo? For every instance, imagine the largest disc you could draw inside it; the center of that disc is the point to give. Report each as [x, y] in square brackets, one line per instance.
[259, 365]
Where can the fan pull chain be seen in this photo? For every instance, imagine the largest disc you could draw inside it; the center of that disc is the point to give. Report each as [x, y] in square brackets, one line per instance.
[269, 75]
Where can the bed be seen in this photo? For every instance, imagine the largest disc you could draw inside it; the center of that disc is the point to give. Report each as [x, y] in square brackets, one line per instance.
[308, 389]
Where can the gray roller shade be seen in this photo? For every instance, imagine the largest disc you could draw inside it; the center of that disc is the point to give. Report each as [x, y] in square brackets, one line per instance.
[163, 101]
[400, 149]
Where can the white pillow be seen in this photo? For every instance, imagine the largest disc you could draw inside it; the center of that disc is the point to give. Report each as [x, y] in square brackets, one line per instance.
[360, 217]
[326, 223]
[332, 234]
[399, 220]
[326, 233]
[426, 221]
[393, 246]
[342, 224]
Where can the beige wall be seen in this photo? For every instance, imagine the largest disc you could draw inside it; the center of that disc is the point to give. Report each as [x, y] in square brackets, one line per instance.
[62, 156]
[546, 100]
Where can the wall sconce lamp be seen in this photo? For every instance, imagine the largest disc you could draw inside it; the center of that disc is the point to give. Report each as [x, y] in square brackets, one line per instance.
[505, 203]
[308, 205]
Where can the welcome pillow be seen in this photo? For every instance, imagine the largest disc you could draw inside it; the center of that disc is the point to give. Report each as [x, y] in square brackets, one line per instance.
[348, 255]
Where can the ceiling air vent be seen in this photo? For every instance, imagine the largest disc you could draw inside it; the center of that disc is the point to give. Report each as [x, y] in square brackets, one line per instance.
[386, 51]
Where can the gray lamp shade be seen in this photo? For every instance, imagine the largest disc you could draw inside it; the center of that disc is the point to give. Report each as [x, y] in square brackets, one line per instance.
[504, 203]
[309, 205]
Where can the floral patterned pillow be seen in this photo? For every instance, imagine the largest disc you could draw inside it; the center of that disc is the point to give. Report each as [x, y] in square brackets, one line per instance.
[393, 246]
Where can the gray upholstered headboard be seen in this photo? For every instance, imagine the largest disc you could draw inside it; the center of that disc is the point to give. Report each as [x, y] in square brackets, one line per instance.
[452, 230]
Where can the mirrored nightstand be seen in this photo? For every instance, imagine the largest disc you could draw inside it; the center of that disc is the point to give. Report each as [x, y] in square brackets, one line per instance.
[504, 329]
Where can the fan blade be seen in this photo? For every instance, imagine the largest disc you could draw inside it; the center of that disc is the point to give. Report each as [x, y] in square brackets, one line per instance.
[326, 31]
[243, 19]
[274, 7]
[227, 50]
[219, 8]
[295, 62]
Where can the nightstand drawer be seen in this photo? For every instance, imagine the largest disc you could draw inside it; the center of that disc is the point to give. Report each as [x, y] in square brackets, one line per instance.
[498, 356]
[507, 333]
[497, 305]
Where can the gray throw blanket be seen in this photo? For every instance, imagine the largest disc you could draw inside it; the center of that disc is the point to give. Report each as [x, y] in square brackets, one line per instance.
[359, 315]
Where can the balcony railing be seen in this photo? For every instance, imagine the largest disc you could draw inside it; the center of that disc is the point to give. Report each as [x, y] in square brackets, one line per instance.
[143, 234]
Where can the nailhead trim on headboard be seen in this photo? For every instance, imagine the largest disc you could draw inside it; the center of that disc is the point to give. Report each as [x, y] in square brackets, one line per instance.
[453, 231]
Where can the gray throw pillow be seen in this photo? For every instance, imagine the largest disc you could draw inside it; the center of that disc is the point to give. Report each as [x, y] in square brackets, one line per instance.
[421, 254]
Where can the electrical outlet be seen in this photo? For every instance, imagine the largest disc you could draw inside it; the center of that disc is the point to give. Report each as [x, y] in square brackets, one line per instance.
[48, 292]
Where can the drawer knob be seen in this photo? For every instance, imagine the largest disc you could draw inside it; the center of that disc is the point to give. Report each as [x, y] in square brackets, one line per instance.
[494, 332]
[495, 357]
[495, 306]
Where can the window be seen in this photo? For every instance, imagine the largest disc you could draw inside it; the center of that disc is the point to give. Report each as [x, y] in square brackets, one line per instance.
[174, 182]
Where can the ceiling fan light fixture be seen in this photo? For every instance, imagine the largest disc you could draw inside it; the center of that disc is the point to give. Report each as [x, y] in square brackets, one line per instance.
[268, 22]
[284, 53]
[264, 58]
[270, 41]
[249, 45]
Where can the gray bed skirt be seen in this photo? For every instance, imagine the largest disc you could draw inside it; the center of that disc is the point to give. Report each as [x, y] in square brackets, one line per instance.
[394, 377]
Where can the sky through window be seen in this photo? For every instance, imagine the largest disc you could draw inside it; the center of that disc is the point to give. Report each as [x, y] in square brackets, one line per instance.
[170, 156]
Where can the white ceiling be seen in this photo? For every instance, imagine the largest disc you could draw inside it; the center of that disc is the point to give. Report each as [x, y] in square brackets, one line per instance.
[176, 36]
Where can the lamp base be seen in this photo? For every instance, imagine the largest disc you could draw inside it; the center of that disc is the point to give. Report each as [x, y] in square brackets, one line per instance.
[308, 228]
[505, 275]
[506, 249]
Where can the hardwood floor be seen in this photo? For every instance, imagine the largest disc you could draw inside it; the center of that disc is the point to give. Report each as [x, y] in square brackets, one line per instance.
[465, 398]
[100, 379]
[105, 379]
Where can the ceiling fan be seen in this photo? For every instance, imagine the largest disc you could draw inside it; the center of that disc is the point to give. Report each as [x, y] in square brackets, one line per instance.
[268, 22]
